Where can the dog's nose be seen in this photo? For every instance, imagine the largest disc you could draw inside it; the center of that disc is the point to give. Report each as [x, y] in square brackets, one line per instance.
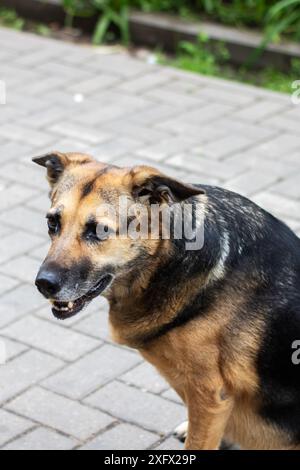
[48, 283]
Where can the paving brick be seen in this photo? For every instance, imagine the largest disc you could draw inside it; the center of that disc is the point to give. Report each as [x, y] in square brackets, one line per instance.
[7, 283]
[144, 409]
[278, 205]
[12, 151]
[260, 110]
[132, 129]
[205, 114]
[95, 324]
[170, 394]
[95, 84]
[144, 83]
[25, 173]
[146, 377]
[41, 439]
[290, 187]
[165, 148]
[20, 133]
[70, 417]
[24, 219]
[11, 426]
[280, 146]
[69, 129]
[18, 303]
[118, 64]
[170, 444]
[166, 96]
[251, 182]
[225, 146]
[40, 203]
[122, 437]
[206, 166]
[24, 371]
[13, 194]
[91, 372]
[40, 252]
[54, 339]
[12, 348]
[23, 268]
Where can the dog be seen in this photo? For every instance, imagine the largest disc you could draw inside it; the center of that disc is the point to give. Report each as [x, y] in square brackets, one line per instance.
[219, 323]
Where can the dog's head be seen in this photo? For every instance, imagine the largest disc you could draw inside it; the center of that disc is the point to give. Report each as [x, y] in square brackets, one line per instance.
[90, 249]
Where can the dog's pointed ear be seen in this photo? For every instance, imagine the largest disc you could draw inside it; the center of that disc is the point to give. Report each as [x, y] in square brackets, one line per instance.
[152, 187]
[57, 162]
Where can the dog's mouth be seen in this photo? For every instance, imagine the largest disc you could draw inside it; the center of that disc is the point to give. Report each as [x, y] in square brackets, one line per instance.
[65, 310]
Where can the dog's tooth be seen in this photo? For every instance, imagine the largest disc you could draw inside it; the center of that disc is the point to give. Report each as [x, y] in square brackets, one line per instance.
[70, 305]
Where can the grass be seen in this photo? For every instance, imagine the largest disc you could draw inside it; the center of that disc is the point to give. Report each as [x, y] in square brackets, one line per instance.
[200, 58]
[10, 19]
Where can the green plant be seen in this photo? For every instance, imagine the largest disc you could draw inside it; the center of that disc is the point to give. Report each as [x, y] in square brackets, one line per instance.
[112, 14]
[200, 57]
[9, 17]
[283, 17]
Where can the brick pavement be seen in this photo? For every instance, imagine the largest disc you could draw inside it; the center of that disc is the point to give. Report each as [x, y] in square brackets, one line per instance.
[65, 385]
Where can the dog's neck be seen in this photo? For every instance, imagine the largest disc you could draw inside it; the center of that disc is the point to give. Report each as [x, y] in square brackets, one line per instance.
[144, 305]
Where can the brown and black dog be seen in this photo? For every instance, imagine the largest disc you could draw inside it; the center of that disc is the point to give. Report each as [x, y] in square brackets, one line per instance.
[219, 323]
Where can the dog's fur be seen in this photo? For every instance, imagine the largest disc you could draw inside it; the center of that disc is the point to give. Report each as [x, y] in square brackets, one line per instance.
[217, 323]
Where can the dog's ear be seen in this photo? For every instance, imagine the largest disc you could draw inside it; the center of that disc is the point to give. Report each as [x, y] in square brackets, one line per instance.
[152, 187]
[57, 162]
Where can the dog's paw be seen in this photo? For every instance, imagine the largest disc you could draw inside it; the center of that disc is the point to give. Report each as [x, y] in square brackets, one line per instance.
[181, 431]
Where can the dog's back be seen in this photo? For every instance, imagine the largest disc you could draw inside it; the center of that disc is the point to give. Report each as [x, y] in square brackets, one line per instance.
[264, 248]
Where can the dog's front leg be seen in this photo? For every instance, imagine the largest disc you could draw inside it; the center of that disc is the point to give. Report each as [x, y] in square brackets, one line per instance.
[208, 413]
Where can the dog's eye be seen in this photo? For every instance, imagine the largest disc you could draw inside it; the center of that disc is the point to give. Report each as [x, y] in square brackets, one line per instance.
[97, 232]
[53, 224]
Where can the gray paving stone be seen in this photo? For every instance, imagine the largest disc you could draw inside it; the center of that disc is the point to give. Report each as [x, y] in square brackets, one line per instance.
[95, 324]
[206, 166]
[170, 394]
[47, 408]
[144, 409]
[7, 283]
[40, 252]
[24, 371]
[54, 339]
[19, 302]
[251, 182]
[25, 172]
[20, 133]
[146, 377]
[11, 426]
[170, 444]
[280, 146]
[23, 268]
[17, 243]
[24, 219]
[69, 129]
[41, 439]
[278, 205]
[290, 187]
[12, 348]
[13, 194]
[260, 110]
[226, 146]
[91, 372]
[123, 437]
